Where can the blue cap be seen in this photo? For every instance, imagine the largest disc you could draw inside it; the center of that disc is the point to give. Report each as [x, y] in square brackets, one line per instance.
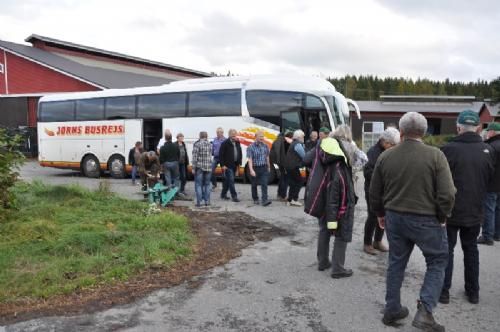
[468, 117]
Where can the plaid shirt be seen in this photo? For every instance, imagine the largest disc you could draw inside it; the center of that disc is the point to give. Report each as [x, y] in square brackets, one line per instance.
[202, 155]
[258, 152]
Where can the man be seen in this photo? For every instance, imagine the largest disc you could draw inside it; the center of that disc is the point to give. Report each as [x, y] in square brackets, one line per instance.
[412, 194]
[149, 169]
[169, 159]
[162, 140]
[389, 138]
[216, 143]
[202, 168]
[183, 162]
[324, 132]
[472, 165]
[491, 226]
[313, 140]
[259, 167]
[230, 160]
[133, 159]
[293, 162]
[277, 156]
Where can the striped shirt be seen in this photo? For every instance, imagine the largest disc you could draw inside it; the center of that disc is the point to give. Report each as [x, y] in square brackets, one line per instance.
[202, 155]
[258, 152]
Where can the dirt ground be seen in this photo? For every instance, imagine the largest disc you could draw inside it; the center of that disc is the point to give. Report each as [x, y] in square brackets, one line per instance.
[220, 237]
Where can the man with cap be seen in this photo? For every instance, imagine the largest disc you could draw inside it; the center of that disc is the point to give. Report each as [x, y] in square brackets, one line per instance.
[491, 225]
[472, 165]
[324, 132]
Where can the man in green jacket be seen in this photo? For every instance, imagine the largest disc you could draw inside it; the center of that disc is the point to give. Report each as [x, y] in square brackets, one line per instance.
[412, 194]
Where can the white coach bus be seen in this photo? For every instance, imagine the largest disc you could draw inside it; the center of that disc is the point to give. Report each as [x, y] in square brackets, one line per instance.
[93, 131]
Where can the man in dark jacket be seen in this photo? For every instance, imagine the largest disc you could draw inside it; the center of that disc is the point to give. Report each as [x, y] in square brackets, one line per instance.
[491, 226]
[169, 159]
[133, 159]
[277, 156]
[312, 141]
[472, 166]
[293, 163]
[230, 160]
[183, 162]
[388, 139]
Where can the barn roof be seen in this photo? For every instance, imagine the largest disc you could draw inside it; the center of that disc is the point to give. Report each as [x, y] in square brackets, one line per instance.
[448, 107]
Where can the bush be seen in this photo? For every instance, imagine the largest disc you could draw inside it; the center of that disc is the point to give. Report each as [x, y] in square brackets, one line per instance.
[437, 140]
[10, 161]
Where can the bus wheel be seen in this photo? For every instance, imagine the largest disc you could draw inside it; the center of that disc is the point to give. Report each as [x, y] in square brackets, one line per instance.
[91, 167]
[116, 167]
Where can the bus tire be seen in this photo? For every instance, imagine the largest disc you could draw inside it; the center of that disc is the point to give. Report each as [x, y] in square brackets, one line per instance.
[270, 179]
[116, 167]
[91, 167]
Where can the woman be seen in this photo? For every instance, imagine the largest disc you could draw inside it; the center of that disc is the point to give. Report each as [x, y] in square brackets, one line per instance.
[183, 162]
[293, 163]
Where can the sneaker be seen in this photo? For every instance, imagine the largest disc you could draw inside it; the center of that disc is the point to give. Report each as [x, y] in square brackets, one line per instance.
[224, 198]
[236, 200]
[392, 317]
[295, 203]
[380, 246]
[266, 203]
[324, 267]
[342, 274]
[425, 321]
[369, 249]
[444, 298]
[483, 240]
[473, 297]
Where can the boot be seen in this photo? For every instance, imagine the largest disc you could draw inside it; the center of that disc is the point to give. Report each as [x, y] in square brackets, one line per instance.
[390, 318]
[425, 321]
[369, 249]
[380, 246]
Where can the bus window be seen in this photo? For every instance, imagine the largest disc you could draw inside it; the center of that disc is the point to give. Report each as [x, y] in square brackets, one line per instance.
[57, 111]
[290, 121]
[90, 109]
[267, 105]
[120, 108]
[215, 103]
[166, 105]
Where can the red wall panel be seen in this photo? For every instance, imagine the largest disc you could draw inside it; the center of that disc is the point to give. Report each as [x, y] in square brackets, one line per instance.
[2, 75]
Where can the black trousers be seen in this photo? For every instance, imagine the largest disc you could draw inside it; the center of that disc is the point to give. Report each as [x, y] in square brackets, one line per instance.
[468, 239]
[295, 183]
[371, 225]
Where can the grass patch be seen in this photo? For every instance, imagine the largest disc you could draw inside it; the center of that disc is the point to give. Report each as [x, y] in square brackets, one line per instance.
[64, 238]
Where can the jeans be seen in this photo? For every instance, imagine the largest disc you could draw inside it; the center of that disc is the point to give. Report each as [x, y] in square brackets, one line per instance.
[182, 176]
[404, 231]
[371, 225]
[283, 183]
[171, 171]
[491, 226]
[260, 178]
[338, 252]
[468, 238]
[229, 183]
[213, 178]
[202, 186]
[134, 173]
[295, 181]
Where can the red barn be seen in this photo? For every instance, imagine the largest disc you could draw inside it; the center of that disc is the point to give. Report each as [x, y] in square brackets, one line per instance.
[489, 113]
[53, 66]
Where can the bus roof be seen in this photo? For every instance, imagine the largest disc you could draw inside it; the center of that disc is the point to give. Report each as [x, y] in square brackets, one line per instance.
[300, 83]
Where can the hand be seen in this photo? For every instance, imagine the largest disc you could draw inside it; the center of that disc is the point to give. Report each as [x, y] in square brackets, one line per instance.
[381, 222]
[252, 173]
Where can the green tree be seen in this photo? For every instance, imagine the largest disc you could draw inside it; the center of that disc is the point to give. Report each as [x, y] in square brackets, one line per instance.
[10, 161]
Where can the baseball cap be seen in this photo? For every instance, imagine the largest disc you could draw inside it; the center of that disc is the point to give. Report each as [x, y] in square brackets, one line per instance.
[324, 130]
[468, 117]
[495, 126]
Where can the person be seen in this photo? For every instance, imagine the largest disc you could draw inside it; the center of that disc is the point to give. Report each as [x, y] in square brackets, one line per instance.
[357, 158]
[330, 197]
[162, 140]
[133, 159]
[472, 166]
[412, 194]
[259, 167]
[230, 159]
[373, 233]
[202, 168]
[183, 162]
[293, 163]
[169, 159]
[324, 132]
[277, 156]
[313, 140]
[217, 141]
[491, 225]
[149, 169]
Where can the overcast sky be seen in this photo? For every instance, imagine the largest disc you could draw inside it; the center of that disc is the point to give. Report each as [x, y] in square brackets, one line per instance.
[456, 39]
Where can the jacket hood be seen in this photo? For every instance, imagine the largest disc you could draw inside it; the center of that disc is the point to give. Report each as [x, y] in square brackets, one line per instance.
[468, 138]
[332, 150]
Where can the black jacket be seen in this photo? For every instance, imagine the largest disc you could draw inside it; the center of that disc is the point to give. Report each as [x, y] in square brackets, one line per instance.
[494, 185]
[186, 157]
[373, 154]
[292, 158]
[131, 157]
[472, 165]
[278, 151]
[169, 152]
[226, 154]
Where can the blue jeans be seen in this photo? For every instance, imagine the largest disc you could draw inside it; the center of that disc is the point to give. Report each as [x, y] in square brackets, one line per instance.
[229, 183]
[260, 178]
[202, 186]
[491, 226]
[171, 171]
[404, 231]
[213, 178]
[134, 173]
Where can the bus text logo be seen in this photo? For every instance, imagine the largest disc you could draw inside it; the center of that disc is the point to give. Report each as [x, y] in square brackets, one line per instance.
[86, 130]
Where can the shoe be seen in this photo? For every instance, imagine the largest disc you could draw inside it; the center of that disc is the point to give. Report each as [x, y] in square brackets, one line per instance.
[266, 203]
[369, 249]
[482, 240]
[378, 245]
[207, 203]
[256, 202]
[392, 317]
[444, 298]
[473, 297]
[295, 203]
[224, 198]
[425, 321]
[236, 200]
[324, 267]
[281, 199]
[496, 238]
[343, 274]
[198, 205]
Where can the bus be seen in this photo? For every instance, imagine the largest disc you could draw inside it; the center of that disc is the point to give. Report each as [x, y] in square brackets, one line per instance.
[93, 131]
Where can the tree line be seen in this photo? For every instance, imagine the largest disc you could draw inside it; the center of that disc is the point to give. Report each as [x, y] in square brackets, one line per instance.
[369, 87]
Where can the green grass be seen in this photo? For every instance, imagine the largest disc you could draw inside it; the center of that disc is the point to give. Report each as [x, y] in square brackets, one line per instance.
[63, 238]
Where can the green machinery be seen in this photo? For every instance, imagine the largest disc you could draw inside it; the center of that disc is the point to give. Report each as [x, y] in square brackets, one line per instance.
[161, 194]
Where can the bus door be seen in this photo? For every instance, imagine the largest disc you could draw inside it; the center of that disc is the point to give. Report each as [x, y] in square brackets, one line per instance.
[291, 121]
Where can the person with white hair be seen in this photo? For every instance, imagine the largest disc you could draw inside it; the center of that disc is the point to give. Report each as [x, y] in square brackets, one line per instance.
[162, 140]
[472, 166]
[412, 194]
[293, 163]
[388, 139]
[357, 158]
